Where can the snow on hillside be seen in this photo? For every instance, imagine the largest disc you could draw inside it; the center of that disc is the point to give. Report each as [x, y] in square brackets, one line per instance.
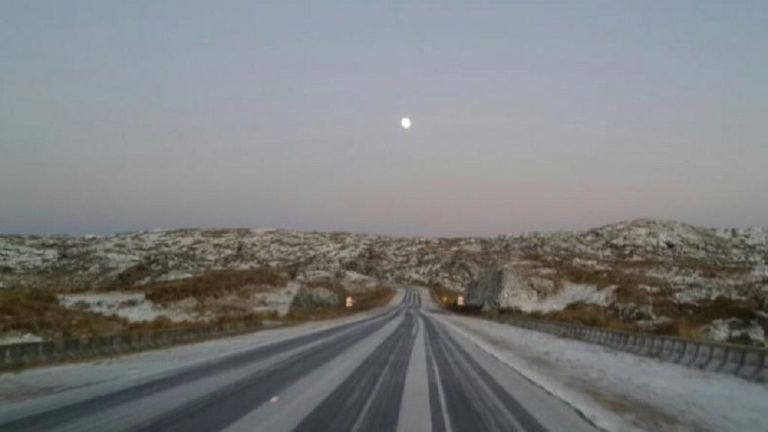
[129, 305]
[144, 257]
[644, 272]
[644, 275]
[527, 300]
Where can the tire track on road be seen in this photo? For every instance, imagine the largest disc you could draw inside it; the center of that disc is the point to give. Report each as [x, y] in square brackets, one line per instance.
[369, 399]
[226, 405]
[475, 401]
[53, 418]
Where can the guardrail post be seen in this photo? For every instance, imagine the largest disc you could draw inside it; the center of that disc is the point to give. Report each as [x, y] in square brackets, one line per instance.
[630, 342]
[761, 374]
[625, 341]
[741, 361]
[720, 355]
[681, 346]
[731, 360]
[751, 364]
[695, 347]
[747, 362]
[641, 344]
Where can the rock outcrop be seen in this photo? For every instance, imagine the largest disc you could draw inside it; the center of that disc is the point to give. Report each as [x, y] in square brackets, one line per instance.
[644, 275]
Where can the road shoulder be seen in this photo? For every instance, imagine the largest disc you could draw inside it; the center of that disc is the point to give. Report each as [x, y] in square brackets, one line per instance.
[619, 391]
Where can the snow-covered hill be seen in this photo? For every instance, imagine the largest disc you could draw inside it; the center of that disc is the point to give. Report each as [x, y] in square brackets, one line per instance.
[647, 273]
[76, 263]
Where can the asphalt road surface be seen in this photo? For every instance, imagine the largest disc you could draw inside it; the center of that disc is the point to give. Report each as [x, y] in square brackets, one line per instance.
[403, 369]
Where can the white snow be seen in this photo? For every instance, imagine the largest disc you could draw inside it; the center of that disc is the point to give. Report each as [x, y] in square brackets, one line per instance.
[14, 338]
[278, 301]
[619, 391]
[531, 300]
[31, 390]
[173, 275]
[724, 330]
[25, 257]
[132, 306]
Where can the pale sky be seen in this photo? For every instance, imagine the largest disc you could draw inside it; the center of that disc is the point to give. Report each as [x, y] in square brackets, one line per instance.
[540, 115]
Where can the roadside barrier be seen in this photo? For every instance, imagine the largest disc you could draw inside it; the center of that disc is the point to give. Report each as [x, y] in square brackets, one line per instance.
[744, 361]
[40, 353]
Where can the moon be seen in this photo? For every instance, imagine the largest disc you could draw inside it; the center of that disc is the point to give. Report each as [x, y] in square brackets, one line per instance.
[405, 122]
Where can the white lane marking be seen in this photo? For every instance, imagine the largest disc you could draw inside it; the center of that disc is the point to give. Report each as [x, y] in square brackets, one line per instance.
[488, 394]
[414, 406]
[546, 406]
[303, 396]
[374, 392]
[135, 412]
[440, 393]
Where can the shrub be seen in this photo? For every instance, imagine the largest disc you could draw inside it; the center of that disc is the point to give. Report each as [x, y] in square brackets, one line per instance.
[362, 301]
[38, 311]
[212, 284]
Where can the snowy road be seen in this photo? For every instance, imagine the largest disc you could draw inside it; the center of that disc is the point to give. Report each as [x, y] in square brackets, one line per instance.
[402, 369]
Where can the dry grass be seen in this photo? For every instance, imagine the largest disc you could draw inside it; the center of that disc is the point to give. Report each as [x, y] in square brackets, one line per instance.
[443, 296]
[323, 284]
[687, 321]
[368, 300]
[629, 278]
[158, 324]
[218, 233]
[213, 284]
[362, 301]
[130, 276]
[162, 323]
[722, 307]
[686, 330]
[575, 313]
[309, 313]
[585, 314]
[39, 312]
[712, 270]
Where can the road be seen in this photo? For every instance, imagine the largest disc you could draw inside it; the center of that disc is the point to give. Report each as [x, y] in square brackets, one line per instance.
[403, 369]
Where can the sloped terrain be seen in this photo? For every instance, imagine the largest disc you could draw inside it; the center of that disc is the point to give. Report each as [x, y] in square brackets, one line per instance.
[647, 275]
[77, 263]
[169, 278]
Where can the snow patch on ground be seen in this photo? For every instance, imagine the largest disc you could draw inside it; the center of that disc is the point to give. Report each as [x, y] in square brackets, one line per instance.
[67, 383]
[356, 282]
[619, 391]
[174, 275]
[725, 330]
[132, 306]
[15, 338]
[532, 300]
[278, 301]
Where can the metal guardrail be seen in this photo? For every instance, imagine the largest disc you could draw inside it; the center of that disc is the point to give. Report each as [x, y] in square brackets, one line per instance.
[744, 361]
[40, 353]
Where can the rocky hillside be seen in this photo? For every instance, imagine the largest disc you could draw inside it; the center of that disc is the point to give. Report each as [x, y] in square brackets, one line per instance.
[167, 278]
[78, 263]
[646, 275]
